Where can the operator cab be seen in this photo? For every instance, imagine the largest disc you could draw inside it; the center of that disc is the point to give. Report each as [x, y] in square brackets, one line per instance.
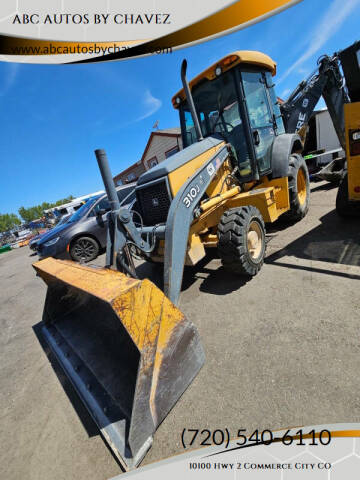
[235, 99]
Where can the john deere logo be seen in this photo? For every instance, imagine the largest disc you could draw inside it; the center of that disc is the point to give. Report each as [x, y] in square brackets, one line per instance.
[155, 202]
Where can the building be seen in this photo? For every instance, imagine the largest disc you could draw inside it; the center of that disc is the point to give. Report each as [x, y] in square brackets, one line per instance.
[160, 145]
[131, 174]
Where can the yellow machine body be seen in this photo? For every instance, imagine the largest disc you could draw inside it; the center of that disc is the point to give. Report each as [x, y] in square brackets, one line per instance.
[352, 129]
[178, 177]
[271, 197]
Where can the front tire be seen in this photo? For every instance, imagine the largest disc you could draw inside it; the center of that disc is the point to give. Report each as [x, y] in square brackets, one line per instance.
[299, 189]
[241, 240]
[84, 249]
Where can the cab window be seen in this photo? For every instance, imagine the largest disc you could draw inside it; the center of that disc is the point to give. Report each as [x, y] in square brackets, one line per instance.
[260, 116]
[275, 104]
[217, 106]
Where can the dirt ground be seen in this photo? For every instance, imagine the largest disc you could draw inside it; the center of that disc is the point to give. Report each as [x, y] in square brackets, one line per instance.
[281, 350]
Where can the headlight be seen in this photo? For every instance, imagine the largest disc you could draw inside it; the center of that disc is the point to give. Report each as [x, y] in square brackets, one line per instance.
[51, 242]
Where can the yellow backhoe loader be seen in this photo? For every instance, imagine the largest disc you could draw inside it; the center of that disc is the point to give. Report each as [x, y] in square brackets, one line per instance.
[124, 344]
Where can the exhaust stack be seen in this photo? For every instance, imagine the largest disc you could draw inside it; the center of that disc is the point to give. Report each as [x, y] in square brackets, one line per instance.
[190, 101]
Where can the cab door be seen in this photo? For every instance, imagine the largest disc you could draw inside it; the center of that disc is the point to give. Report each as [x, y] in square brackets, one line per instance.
[260, 117]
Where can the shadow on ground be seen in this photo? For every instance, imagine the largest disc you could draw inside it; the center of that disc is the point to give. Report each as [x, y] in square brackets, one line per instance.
[324, 187]
[336, 240]
[215, 279]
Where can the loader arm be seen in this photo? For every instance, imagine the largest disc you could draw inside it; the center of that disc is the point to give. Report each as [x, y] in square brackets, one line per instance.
[180, 217]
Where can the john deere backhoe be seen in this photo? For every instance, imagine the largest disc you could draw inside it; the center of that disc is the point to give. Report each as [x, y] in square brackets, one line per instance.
[123, 343]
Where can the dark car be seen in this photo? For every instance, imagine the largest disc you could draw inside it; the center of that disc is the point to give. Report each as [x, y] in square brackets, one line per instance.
[34, 241]
[83, 236]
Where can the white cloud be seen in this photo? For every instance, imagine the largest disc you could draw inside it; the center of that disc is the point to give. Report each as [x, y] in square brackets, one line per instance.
[285, 93]
[329, 24]
[11, 73]
[304, 71]
[151, 105]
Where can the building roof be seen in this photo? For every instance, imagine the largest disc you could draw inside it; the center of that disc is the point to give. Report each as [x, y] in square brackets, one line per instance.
[166, 131]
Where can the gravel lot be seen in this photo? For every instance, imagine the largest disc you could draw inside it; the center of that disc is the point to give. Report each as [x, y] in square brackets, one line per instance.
[282, 350]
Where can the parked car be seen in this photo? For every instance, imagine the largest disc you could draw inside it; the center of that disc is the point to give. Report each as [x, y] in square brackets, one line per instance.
[22, 234]
[35, 240]
[83, 236]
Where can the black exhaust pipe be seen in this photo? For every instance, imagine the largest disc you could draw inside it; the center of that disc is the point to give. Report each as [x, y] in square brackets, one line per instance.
[190, 101]
[107, 177]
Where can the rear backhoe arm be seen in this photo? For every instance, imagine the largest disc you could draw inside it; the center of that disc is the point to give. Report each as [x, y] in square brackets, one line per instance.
[327, 81]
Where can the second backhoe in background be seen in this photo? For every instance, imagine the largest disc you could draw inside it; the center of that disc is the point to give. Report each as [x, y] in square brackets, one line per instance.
[337, 80]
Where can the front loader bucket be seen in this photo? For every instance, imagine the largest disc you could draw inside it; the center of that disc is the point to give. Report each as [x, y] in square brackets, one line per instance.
[128, 351]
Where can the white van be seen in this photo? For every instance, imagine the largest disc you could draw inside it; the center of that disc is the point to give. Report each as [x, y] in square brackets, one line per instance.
[52, 214]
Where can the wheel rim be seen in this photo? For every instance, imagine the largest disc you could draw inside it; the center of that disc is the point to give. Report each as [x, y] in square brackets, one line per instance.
[301, 186]
[84, 249]
[255, 240]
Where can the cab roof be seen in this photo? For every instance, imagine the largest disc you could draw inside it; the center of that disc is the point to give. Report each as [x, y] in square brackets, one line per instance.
[226, 63]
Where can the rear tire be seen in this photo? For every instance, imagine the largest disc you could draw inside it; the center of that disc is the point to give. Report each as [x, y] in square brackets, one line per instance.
[84, 248]
[344, 208]
[299, 189]
[241, 240]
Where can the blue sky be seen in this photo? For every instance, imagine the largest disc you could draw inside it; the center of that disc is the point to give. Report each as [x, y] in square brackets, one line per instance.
[54, 116]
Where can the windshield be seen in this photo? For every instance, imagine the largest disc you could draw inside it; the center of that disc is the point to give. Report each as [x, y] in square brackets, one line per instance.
[125, 196]
[217, 105]
[83, 210]
[63, 220]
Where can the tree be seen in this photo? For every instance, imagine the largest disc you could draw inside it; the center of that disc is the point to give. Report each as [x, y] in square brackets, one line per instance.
[8, 221]
[32, 213]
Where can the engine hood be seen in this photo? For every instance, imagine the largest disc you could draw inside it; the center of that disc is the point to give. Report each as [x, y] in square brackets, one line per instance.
[179, 159]
[55, 232]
